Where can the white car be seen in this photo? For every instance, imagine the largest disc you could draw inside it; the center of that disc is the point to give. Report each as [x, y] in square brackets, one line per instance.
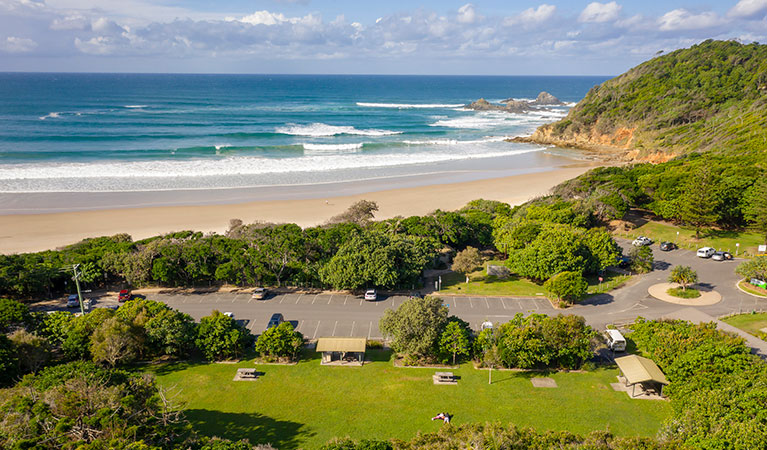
[705, 252]
[641, 241]
[229, 314]
[371, 294]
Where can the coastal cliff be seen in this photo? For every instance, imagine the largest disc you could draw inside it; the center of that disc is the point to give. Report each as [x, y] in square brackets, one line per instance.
[710, 97]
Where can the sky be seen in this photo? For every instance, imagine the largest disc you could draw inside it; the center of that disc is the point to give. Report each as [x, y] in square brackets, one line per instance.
[425, 37]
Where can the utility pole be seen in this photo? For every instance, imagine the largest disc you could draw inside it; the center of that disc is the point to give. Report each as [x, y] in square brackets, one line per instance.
[77, 283]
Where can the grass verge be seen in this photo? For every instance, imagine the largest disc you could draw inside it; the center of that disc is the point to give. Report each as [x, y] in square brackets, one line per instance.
[482, 284]
[308, 404]
[751, 289]
[723, 240]
[751, 323]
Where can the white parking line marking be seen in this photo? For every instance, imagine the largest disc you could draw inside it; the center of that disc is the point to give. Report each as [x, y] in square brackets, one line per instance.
[519, 303]
[334, 328]
[346, 297]
[300, 322]
[352, 333]
[252, 324]
[315, 330]
[183, 300]
[487, 303]
[471, 302]
[299, 297]
[503, 302]
[314, 299]
[283, 298]
[330, 299]
[361, 302]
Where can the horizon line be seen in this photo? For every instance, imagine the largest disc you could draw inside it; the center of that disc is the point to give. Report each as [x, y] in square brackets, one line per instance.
[4, 72]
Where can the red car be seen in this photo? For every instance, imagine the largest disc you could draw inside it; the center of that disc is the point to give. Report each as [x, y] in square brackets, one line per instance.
[124, 296]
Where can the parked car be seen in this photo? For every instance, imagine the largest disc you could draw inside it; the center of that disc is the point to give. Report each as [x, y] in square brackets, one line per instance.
[416, 294]
[615, 341]
[624, 262]
[667, 246]
[259, 293]
[73, 301]
[124, 295]
[276, 320]
[229, 314]
[371, 294]
[642, 241]
[722, 256]
[705, 252]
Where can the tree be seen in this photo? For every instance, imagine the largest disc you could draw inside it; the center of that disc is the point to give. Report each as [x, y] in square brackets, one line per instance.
[414, 327]
[755, 209]
[13, 313]
[642, 259]
[467, 261]
[171, 333]
[55, 327]
[683, 275]
[567, 286]
[455, 340]
[221, 337]
[697, 202]
[360, 213]
[77, 344]
[116, 342]
[603, 248]
[8, 361]
[557, 248]
[280, 342]
[32, 351]
[756, 267]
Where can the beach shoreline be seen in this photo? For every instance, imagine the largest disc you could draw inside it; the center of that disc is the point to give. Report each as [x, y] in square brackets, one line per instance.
[42, 231]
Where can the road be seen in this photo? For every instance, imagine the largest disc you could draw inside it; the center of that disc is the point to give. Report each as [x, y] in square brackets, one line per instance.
[319, 315]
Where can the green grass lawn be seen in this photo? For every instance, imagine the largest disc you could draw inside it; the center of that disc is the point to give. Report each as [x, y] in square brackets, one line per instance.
[482, 284]
[610, 281]
[305, 405]
[718, 239]
[750, 323]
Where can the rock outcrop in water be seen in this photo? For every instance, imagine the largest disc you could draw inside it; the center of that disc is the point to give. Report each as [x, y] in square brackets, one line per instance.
[516, 106]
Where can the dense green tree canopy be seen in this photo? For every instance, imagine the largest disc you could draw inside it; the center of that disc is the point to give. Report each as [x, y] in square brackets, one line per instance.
[415, 326]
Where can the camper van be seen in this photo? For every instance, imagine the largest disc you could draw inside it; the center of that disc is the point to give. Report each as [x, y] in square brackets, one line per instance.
[615, 341]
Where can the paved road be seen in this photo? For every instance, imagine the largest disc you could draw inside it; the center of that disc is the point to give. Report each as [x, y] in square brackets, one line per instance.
[318, 315]
[625, 304]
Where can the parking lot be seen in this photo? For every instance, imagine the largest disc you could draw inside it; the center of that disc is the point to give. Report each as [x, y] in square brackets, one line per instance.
[321, 315]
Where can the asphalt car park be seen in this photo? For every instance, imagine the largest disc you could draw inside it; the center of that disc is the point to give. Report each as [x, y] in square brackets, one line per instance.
[322, 315]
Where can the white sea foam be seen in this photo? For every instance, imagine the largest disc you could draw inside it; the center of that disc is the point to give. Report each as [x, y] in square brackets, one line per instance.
[408, 105]
[479, 121]
[324, 130]
[53, 115]
[90, 176]
[456, 141]
[331, 148]
[135, 106]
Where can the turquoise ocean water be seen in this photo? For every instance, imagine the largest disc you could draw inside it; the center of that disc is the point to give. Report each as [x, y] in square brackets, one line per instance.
[131, 132]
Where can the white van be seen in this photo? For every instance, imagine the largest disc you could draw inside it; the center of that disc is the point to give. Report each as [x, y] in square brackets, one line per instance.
[615, 341]
[706, 252]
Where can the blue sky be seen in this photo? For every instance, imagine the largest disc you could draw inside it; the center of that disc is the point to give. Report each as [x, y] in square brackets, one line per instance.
[493, 37]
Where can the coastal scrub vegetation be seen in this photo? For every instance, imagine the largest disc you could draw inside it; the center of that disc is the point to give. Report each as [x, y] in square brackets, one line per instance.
[710, 96]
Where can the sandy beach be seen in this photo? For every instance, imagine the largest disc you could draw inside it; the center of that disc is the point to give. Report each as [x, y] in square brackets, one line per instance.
[35, 232]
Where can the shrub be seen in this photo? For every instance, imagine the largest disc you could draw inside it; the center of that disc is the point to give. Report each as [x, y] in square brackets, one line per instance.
[567, 286]
[683, 293]
[221, 337]
[280, 342]
[415, 326]
[13, 313]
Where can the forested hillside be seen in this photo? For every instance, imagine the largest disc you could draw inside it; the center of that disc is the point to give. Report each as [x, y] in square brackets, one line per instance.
[710, 97]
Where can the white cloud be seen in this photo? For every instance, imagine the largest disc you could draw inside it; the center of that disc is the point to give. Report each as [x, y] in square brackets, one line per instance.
[596, 12]
[748, 9]
[543, 13]
[71, 22]
[681, 19]
[14, 44]
[264, 18]
[467, 14]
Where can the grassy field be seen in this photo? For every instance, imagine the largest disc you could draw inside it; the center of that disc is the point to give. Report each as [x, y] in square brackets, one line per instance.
[305, 405]
[610, 281]
[718, 239]
[750, 323]
[482, 284]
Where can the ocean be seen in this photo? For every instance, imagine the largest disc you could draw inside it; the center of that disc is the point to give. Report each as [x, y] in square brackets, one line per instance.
[136, 132]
